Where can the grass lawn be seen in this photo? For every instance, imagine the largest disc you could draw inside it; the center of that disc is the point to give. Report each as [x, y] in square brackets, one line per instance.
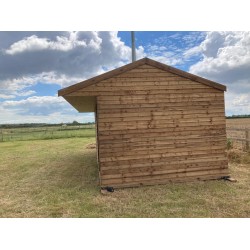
[59, 178]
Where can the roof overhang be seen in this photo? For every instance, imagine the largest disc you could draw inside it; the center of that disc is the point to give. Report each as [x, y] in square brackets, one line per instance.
[82, 103]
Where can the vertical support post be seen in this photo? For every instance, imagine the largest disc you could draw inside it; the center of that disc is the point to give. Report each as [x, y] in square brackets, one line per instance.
[133, 45]
[2, 133]
[247, 139]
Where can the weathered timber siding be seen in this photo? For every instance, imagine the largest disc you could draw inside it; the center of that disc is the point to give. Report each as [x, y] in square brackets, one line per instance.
[155, 127]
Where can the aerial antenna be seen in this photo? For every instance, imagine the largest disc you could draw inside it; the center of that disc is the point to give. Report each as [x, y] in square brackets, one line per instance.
[133, 46]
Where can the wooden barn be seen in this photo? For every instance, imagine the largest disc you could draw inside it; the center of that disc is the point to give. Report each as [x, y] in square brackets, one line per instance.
[155, 124]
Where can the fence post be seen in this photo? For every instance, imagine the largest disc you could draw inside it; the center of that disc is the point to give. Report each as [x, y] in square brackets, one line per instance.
[247, 139]
[2, 133]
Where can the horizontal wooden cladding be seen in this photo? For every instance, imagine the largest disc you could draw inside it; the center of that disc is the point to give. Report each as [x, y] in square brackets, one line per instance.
[148, 113]
[170, 176]
[163, 169]
[144, 75]
[161, 149]
[164, 124]
[166, 181]
[150, 81]
[173, 110]
[182, 161]
[141, 86]
[159, 100]
[160, 116]
[191, 105]
[147, 69]
[212, 130]
[159, 137]
[159, 141]
[159, 96]
[143, 92]
[163, 154]
[149, 77]
[156, 161]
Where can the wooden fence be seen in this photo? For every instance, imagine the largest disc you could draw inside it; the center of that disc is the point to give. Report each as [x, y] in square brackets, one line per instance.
[246, 133]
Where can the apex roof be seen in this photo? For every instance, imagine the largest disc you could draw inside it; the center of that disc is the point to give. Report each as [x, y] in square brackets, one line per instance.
[133, 65]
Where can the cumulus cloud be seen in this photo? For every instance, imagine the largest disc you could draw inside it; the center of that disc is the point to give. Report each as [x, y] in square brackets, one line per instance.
[226, 59]
[57, 57]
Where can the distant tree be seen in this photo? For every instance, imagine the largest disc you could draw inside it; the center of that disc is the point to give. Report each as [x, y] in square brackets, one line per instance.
[75, 123]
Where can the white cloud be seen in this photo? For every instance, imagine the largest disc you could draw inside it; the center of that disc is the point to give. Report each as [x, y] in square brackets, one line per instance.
[191, 52]
[37, 105]
[226, 59]
[237, 103]
[242, 100]
[9, 116]
[57, 57]
[3, 96]
[41, 109]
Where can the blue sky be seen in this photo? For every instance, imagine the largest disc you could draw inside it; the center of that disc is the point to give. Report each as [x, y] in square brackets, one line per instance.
[35, 65]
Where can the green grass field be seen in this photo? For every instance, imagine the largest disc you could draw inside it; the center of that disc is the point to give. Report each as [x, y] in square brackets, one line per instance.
[59, 178]
[45, 133]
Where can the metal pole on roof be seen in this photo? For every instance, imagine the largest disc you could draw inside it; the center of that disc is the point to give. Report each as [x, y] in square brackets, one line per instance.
[133, 46]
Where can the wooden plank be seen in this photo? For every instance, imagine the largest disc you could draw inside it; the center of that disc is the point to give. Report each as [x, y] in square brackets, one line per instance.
[171, 160]
[160, 119]
[151, 140]
[143, 79]
[170, 148]
[173, 111]
[166, 181]
[158, 96]
[158, 125]
[160, 116]
[183, 105]
[151, 155]
[187, 109]
[162, 164]
[166, 100]
[155, 172]
[152, 75]
[123, 146]
[176, 114]
[142, 92]
[140, 87]
[151, 132]
[158, 166]
[165, 176]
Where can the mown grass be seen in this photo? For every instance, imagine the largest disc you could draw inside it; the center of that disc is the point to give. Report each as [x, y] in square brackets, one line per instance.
[45, 133]
[59, 178]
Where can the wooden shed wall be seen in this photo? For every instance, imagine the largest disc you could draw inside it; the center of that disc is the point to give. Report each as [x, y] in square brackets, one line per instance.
[155, 127]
